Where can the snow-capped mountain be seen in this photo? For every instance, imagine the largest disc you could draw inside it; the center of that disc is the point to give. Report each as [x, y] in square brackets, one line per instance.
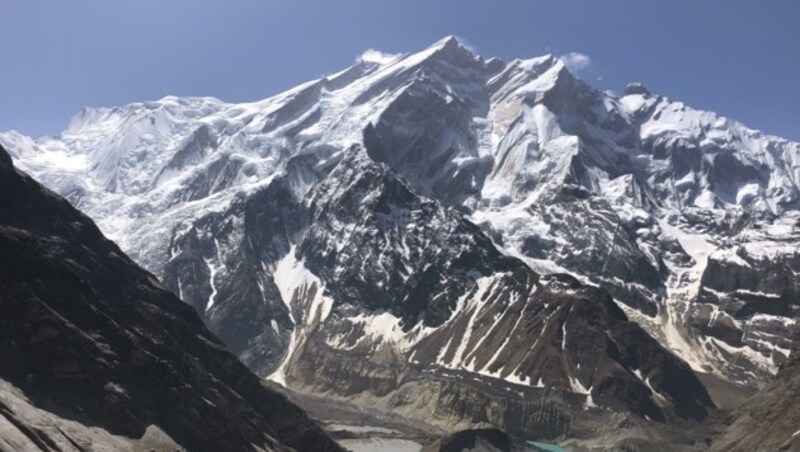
[435, 219]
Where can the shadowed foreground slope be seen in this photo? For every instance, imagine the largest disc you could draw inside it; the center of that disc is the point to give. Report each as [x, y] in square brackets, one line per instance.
[97, 354]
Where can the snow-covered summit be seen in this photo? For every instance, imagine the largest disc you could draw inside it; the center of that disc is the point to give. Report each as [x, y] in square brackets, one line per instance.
[640, 194]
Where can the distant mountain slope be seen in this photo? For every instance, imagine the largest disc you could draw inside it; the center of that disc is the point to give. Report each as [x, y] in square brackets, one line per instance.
[97, 355]
[770, 421]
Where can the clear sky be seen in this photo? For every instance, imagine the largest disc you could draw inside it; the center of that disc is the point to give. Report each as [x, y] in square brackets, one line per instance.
[739, 58]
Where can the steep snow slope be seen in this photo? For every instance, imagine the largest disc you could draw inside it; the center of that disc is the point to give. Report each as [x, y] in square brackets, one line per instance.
[349, 206]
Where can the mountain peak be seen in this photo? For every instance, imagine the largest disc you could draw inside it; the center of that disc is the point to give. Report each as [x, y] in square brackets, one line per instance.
[538, 64]
[451, 50]
[448, 41]
[452, 44]
[637, 88]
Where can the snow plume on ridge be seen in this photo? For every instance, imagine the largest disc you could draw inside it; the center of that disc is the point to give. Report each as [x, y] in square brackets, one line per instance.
[576, 61]
[376, 56]
[466, 44]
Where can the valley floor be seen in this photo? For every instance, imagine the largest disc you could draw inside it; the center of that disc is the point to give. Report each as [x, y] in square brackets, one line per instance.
[368, 429]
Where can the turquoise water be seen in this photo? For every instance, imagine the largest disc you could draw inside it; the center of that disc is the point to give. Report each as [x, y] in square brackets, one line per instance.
[547, 447]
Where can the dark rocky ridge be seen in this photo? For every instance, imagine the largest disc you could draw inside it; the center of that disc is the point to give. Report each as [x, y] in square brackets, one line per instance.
[483, 440]
[90, 336]
[767, 286]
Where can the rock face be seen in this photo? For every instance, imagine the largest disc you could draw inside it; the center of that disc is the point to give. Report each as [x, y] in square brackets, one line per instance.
[98, 355]
[380, 281]
[481, 440]
[771, 419]
[449, 222]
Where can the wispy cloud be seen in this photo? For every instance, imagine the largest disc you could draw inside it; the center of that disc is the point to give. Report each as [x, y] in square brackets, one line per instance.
[576, 61]
[376, 56]
[466, 44]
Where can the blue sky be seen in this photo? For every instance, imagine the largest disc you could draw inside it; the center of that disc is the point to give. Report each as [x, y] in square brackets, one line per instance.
[739, 58]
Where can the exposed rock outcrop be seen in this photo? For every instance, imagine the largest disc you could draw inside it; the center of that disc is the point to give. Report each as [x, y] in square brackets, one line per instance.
[770, 421]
